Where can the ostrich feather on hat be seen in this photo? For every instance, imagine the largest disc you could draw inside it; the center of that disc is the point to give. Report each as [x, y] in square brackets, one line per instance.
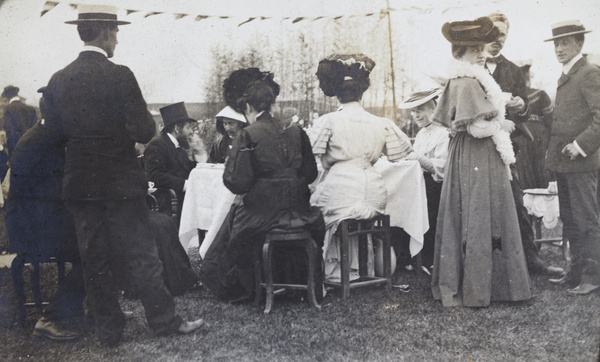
[237, 82]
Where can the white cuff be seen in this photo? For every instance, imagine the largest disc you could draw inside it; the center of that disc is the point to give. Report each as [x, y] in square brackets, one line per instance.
[579, 149]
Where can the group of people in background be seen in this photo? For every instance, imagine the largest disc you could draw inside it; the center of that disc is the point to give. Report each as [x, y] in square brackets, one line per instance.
[484, 136]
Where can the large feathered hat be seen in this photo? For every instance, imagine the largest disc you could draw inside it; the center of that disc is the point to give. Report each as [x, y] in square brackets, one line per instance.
[480, 31]
[235, 86]
[336, 68]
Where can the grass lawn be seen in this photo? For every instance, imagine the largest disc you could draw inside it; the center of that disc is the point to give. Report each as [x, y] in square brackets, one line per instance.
[373, 325]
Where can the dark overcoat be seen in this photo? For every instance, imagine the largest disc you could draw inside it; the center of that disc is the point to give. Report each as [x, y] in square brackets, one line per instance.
[96, 108]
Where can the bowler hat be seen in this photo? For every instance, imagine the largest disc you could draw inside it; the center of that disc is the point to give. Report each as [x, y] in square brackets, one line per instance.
[97, 13]
[174, 113]
[418, 98]
[10, 91]
[480, 31]
[567, 28]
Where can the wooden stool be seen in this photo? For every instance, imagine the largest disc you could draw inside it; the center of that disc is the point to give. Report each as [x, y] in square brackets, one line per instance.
[285, 238]
[364, 229]
[17, 274]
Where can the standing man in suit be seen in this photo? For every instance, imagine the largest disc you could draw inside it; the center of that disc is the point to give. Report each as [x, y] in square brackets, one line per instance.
[96, 109]
[573, 154]
[509, 77]
[166, 161]
[18, 117]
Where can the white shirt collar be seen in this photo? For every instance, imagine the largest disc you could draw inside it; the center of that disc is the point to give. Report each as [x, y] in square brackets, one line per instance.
[14, 99]
[91, 48]
[174, 140]
[567, 67]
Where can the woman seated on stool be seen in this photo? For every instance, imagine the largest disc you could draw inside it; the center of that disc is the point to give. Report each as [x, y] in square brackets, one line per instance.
[349, 142]
[269, 167]
[431, 150]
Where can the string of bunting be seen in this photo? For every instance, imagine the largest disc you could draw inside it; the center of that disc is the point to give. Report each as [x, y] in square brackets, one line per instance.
[49, 5]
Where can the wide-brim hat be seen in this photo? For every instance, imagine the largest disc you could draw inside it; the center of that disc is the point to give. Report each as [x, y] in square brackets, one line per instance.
[480, 31]
[97, 13]
[418, 98]
[335, 68]
[174, 113]
[228, 112]
[567, 28]
[10, 91]
[235, 85]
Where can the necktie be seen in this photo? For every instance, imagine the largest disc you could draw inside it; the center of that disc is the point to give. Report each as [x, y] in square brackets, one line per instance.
[563, 78]
[494, 60]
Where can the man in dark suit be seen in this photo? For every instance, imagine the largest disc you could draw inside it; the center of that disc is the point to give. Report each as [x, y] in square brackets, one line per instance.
[18, 117]
[166, 160]
[574, 155]
[96, 109]
[511, 80]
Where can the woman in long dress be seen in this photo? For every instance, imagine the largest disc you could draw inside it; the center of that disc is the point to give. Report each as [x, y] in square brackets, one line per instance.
[269, 168]
[348, 142]
[478, 251]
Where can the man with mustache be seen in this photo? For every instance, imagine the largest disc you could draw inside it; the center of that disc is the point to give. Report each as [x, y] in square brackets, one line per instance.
[509, 77]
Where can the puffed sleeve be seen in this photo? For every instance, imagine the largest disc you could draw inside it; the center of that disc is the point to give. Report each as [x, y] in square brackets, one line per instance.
[320, 134]
[239, 168]
[397, 143]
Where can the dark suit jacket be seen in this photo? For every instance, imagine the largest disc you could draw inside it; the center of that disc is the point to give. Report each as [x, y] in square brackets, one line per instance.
[168, 167]
[509, 77]
[576, 117]
[96, 108]
[18, 118]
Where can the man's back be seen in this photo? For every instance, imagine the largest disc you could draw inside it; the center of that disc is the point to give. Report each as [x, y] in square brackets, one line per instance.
[96, 107]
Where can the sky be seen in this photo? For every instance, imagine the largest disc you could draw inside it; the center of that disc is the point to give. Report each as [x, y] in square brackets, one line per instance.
[169, 57]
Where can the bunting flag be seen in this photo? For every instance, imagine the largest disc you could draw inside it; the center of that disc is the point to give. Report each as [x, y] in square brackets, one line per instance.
[247, 21]
[49, 5]
[153, 13]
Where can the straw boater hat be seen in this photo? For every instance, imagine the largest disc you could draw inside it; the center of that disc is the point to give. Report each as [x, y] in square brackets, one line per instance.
[418, 98]
[174, 113]
[97, 13]
[567, 28]
[471, 32]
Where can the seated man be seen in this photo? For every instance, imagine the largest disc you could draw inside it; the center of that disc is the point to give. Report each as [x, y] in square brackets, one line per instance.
[166, 160]
[40, 225]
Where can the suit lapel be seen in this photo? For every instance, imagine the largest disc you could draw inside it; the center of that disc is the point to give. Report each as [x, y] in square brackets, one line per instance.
[564, 78]
[179, 154]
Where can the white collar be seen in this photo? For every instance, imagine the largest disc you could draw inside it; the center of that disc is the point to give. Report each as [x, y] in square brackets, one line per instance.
[14, 99]
[174, 140]
[349, 105]
[91, 48]
[567, 67]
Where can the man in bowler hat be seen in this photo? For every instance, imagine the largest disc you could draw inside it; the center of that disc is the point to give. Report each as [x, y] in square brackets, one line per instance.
[574, 156]
[96, 109]
[166, 161]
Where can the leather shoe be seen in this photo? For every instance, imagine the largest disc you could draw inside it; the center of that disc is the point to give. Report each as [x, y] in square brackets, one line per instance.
[49, 329]
[567, 279]
[190, 327]
[583, 289]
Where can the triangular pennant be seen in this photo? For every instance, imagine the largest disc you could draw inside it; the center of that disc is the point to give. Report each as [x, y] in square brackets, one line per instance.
[129, 11]
[180, 16]
[49, 5]
[74, 6]
[245, 22]
[297, 20]
[152, 13]
[200, 17]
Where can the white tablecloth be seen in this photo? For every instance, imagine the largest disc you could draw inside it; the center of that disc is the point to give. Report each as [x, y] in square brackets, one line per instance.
[407, 200]
[544, 204]
[207, 202]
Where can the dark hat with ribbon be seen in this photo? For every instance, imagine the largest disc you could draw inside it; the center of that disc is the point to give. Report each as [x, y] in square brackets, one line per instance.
[10, 91]
[336, 68]
[237, 82]
[480, 31]
[418, 98]
[174, 113]
[567, 28]
[97, 13]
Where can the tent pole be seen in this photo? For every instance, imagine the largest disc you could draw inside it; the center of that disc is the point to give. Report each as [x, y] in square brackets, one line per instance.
[391, 58]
